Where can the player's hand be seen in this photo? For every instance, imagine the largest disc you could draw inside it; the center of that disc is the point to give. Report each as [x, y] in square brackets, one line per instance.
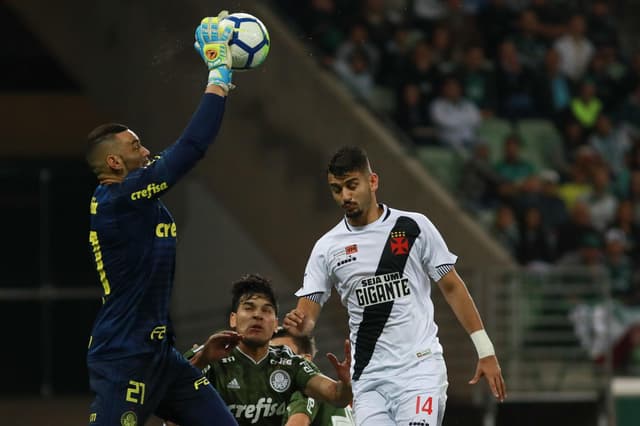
[489, 367]
[218, 346]
[343, 369]
[294, 322]
[212, 43]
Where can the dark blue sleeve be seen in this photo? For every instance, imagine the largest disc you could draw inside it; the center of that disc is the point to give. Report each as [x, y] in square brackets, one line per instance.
[175, 161]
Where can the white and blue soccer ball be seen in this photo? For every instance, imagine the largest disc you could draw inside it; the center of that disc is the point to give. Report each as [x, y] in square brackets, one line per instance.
[250, 42]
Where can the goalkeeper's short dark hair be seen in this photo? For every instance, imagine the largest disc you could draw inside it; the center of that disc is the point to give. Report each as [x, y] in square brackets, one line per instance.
[250, 285]
[348, 159]
[306, 344]
[98, 135]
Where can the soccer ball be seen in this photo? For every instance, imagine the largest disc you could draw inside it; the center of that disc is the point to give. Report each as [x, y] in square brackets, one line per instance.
[250, 41]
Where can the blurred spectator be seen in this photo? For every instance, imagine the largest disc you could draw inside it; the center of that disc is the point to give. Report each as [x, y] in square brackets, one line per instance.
[356, 73]
[619, 264]
[413, 115]
[574, 48]
[552, 89]
[505, 229]
[571, 233]
[322, 24]
[396, 51]
[602, 24]
[378, 21]
[359, 40]
[551, 18]
[634, 194]
[515, 84]
[456, 118]
[625, 222]
[495, 21]
[629, 113]
[420, 70]
[589, 252]
[606, 87]
[478, 80]
[442, 47]
[536, 242]
[631, 79]
[574, 137]
[586, 107]
[554, 211]
[478, 181]
[529, 45]
[612, 144]
[601, 201]
[512, 168]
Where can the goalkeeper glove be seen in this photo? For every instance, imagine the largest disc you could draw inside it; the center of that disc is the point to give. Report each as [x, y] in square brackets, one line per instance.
[212, 43]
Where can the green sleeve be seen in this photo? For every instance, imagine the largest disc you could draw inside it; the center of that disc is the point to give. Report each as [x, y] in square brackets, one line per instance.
[305, 370]
[301, 404]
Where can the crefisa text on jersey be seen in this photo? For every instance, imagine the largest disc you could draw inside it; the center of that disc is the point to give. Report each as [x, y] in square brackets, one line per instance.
[382, 288]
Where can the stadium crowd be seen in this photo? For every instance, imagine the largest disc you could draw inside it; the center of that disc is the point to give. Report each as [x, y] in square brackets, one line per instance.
[538, 99]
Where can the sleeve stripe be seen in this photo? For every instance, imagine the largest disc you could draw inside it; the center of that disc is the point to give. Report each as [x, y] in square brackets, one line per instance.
[314, 297]
[443, 270]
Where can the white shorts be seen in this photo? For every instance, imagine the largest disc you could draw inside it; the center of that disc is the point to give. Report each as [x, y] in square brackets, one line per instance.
[414, 397]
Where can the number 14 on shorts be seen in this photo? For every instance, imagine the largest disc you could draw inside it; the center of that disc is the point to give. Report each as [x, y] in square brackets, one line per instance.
[424, 405]
[426, 411]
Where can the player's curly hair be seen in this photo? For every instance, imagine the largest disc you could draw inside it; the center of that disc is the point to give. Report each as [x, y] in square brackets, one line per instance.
[348, 159]
[250, 285]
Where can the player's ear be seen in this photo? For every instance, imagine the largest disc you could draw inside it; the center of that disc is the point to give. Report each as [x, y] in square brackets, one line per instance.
[373, 181]
[233, 320]
[114, 162]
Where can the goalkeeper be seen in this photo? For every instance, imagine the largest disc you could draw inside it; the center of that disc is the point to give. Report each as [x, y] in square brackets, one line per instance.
[134, 369]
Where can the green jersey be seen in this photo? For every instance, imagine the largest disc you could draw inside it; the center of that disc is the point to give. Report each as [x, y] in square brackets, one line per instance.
[258, 392]
[320, 413]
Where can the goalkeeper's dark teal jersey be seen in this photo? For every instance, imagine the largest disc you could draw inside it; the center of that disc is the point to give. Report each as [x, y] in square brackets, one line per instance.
[132, 238]
[258, 393]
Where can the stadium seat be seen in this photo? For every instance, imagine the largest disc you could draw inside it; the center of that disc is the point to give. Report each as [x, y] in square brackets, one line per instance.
[441, 162]
[493, 131]
[542, 144]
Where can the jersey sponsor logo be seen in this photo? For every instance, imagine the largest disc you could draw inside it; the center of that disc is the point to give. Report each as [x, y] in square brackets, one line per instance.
[202, 381]
[382, 288]
[265, 407]
[280, 381]
[151, 190]
[93, 206]
[281, 361]
[97, 254]
[129, 418]
[398, 243]
[158, 332]
[233, 384]
[419, 423]
[165, 230]
[345, 255]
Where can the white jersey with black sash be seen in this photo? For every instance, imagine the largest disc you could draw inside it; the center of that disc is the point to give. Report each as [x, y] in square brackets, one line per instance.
[381, 272]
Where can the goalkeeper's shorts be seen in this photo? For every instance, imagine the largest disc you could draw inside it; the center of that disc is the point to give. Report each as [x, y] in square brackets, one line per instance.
[128, 391]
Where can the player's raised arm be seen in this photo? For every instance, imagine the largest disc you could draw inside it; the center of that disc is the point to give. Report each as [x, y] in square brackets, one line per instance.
[302, 319]
[212, 44]
[457, 296]
[338, 393]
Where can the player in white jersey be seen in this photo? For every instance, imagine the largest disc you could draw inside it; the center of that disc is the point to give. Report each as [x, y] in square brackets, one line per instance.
[380, 260]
